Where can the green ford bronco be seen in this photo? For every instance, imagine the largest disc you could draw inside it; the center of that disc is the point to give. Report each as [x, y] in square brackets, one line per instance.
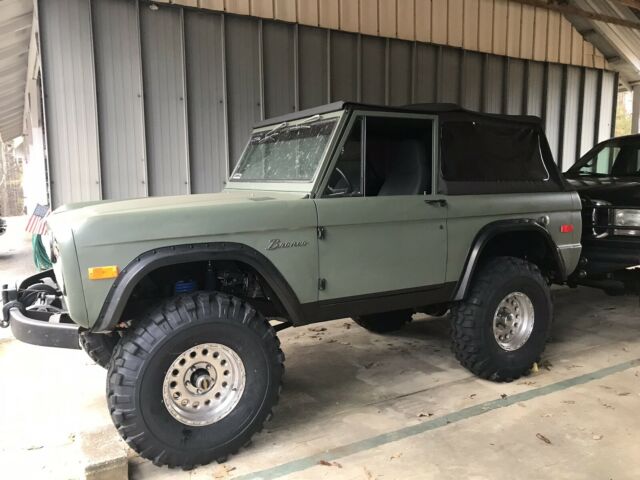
[344, 210]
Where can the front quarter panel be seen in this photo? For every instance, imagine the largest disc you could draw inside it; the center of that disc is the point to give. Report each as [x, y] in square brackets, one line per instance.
[120, 240]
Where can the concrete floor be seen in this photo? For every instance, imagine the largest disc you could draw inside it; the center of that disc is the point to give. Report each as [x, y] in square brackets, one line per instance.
[361, 406]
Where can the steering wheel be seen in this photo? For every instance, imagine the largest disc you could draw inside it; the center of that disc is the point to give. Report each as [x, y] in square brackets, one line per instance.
[334, 191]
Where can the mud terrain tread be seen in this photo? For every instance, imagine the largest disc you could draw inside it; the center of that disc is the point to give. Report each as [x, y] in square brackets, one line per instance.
[466, 329]
[99, 346]
[128, 359]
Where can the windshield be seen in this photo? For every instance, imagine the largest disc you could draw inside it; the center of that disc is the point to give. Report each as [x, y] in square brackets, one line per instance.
[613, 158]
[286, 153]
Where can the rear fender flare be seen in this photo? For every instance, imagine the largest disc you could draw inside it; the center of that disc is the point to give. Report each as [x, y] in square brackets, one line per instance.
[492, 230]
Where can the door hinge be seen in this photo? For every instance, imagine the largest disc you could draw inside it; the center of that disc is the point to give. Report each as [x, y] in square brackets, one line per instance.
[322, 284]
[320, 233]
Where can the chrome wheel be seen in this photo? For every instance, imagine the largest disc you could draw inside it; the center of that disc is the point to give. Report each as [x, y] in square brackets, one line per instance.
[513, 321]
[204, 384]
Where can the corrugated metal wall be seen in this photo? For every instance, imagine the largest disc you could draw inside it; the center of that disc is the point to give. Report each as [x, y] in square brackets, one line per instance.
[179, 89]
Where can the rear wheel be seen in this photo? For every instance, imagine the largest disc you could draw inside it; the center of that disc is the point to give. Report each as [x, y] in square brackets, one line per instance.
[501, 328]
[384, 322]
[195, 379]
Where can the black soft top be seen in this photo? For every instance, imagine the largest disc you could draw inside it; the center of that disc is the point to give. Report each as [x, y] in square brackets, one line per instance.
[451, 111]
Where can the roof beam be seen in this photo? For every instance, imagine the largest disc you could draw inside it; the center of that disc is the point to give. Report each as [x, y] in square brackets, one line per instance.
[630, 3]
[579, 12]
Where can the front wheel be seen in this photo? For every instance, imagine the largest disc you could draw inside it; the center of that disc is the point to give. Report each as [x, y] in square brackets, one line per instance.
[502, 326]
[195, 379]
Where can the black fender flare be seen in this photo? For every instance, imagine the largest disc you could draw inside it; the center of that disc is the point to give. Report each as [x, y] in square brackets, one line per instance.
[140, 266]
[490, 231]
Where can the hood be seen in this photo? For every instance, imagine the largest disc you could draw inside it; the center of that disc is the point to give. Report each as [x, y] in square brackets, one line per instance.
[183, 216]
[616, 190]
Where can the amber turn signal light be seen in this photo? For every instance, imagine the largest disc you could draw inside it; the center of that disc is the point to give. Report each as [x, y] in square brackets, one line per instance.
[103, 273]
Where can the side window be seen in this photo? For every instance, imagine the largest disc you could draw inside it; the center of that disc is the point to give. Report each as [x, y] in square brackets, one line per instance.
[398, 159]
[346, 178]
[398, 156]
[601, 162]
[486, 152]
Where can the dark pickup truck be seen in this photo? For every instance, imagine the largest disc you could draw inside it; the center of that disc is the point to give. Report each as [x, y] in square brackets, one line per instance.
[608, 181]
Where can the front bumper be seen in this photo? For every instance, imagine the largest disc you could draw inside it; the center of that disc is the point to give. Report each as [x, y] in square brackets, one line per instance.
[36, 327]
[610, 254]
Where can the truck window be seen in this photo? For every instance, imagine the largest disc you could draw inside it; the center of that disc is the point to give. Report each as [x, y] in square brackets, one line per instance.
[397, 154]
[485, 152]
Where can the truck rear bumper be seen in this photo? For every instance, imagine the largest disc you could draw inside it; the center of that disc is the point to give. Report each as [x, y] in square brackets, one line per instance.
[37, 327]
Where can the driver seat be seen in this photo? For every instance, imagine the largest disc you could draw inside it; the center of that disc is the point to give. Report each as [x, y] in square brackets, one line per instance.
[406, 170]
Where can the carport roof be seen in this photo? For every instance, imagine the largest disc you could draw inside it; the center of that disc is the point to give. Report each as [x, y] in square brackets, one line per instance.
[16, 17]
[619, 44]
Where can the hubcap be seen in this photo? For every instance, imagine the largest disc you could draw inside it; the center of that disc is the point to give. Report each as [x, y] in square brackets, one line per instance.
[513, 321]
[203, 384]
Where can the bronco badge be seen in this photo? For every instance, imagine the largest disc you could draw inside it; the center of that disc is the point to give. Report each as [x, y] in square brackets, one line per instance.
[276, 243]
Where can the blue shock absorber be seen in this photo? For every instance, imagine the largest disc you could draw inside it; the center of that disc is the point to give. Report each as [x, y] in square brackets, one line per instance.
[185, 286]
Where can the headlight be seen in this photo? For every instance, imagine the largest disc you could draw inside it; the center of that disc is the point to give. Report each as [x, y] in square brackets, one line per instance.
[626, 217]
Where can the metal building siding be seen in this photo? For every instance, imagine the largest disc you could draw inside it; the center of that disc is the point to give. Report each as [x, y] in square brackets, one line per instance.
[120, 107]
[244, 86]
[70, 100]
[553, 104]
[589, 104]
[278, 61]
[373, 54]
[165, 100]
[205, 101]
[571, 110]
[208, 77]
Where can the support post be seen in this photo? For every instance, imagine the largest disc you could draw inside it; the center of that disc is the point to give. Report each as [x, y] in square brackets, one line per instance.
[635, 111]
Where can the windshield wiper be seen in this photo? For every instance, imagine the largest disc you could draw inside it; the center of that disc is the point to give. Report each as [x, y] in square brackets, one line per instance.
[272, 133]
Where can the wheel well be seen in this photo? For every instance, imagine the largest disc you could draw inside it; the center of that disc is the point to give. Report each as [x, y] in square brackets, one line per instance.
[528, 245]
[227, 276]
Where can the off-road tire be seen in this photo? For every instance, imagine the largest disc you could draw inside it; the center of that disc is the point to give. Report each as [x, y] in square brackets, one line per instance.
[99, 346]
[143, 356]
[384, 322]
[474, 343]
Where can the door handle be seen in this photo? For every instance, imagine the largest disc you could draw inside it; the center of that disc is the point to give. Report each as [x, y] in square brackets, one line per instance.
[441, 202]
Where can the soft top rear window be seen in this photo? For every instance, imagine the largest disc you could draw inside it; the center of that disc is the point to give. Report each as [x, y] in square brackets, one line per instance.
[473, 151]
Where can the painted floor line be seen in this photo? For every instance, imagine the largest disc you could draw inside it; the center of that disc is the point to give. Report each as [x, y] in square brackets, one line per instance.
[373, 442]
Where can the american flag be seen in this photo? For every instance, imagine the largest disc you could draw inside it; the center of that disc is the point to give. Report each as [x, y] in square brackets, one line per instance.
[37, 224]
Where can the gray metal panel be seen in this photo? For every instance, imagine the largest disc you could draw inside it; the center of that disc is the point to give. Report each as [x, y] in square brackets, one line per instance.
[514, 86]
[120, 108]
[243, 81]
[552, 108]
[606, 105]
[205, 65]
[426, 70]
[312, 66]
[449, 76]
[164, 100]
[399, 72]
[343, 61]
[278, 64]
[587, 132]
[571, 109]
[493, 84]
[70, 100]
[535, 87]
[373, 72]
[471, 94]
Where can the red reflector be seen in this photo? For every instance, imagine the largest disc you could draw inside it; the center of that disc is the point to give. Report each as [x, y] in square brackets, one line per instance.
[566, 228]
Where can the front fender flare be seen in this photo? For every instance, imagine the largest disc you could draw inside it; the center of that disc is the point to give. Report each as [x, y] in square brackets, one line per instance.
[140, 266]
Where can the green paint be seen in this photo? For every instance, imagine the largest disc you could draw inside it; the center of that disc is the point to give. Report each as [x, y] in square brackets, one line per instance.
[402, 433]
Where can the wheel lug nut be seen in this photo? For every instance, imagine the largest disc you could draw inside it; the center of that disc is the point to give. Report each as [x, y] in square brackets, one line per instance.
[184, 402]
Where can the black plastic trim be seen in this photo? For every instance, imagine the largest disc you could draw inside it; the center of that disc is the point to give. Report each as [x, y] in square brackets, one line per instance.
[42, 331]
[137, 269]
[493, 229]
[377, 302]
